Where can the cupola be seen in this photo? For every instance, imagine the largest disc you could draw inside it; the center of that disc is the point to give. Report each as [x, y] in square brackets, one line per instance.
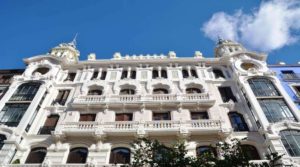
[66, 51]
[227, 47]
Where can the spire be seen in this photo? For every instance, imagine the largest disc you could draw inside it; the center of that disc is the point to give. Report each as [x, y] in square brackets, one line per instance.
[74, 41]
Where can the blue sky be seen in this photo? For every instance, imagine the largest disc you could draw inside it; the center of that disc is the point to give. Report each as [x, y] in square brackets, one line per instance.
[29, 28]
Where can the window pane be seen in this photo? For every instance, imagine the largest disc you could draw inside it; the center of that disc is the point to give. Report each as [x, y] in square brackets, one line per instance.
[263, 87]
[119, 156]
[11, 114]
[291, 141]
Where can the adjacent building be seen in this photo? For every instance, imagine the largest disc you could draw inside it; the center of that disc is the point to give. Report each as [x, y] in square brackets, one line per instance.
[289, 75]
[65, 112]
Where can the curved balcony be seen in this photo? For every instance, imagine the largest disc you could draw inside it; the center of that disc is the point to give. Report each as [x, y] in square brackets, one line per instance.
[121, 128]
[153, 99]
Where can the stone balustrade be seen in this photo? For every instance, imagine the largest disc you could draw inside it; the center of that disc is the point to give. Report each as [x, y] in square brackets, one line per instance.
[94, 99]
[134, 126]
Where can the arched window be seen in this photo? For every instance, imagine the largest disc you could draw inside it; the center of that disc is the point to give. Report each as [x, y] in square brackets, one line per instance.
[2, 139]
[42, 70]
[237, 121]
[124, 74]
[160, 91]
[194, 73]
[119, 155]
[133, 74]
[36, 155]
[185, 73]
[25, 92]
[95, 92]
[192, 90]
[155, 74]
[78, 155]
[263, 87]
[164, 74]
[127, 92]
[291, 142]
[250, 152]
[218, 73]
[206, 150]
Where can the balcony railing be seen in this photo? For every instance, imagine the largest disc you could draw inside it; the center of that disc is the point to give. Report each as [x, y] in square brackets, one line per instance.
[292, 76]
[96, 99]
[134, 126]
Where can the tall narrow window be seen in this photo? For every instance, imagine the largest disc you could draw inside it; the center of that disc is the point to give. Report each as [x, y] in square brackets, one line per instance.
[2, 139]
[49, 125]
[164, 74]
[133, 74]
[296, 88]
[3, 90]
[25, 92]
[237, 122]
[250, 152]
[218, 73]
[194, 73]
[62, 97]
[103, 75]
[95, 75]
[226, 94]
[291, 142]
[87, 117]
[155, 74]
[124, 117]
[36, 155]
[124, 74]
[185, 73]
[119, 155]
[70, 77]
[78, 155]
[158, 116]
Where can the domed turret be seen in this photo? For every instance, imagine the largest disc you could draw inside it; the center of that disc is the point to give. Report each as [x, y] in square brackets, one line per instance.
[227, 47]
[66, 51]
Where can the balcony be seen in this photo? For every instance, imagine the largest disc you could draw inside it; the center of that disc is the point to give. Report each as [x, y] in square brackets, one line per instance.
[200, 98]
[290, 77]
[121, 128]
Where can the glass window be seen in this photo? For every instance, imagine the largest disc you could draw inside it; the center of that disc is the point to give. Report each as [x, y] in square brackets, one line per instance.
[199, 115]
[87, 117]
[263, 87]
[194, 73]
[2, 139]
[276, 110]
[95, 92]
[70, 77]
[218, 73]
[95, 75]
[49, 125]
[185, 73]
[297, 89]
[206, 150]
[3, 89]
[11, 113]
[77, 155]
[192, 90]
[124, 117]
[154, 74]
[237, 122]
[250, 152]
[119, 156]
[226, 94]
[25, 92]
[164, 74]
[133, 74]
[62, 97]
[291, 142]
[103, 75]
[127, 92]
[5, 78]
[36, 155]
[124, 74]
[161, 116]
[160, 91]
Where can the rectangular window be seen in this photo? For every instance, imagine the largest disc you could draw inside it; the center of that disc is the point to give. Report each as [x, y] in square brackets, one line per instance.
[103, 75]
[276, 110]
[70, 77]
[3, 90]
[124, 117]
[161, 116]
[290, 75]
[124, 74]
[226, 94]
[11, 114]
[297, 89]
[95, 75]
[87, 117]
[62, 97]
[49, 125]
[5, 79]
[199, 115]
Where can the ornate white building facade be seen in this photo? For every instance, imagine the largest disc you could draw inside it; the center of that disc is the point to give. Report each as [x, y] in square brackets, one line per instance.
[62, 111]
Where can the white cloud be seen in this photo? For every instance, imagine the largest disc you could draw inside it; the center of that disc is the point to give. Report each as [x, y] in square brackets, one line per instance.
[272, 26]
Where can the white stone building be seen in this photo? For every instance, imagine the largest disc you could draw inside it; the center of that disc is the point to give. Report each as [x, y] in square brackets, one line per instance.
[63, 111]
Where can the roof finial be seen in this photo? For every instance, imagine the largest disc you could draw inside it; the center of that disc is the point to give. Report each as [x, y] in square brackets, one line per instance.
[74, 42]
[220, 40]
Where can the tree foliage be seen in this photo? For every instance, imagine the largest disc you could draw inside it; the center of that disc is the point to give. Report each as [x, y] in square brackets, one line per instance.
[151, 153]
